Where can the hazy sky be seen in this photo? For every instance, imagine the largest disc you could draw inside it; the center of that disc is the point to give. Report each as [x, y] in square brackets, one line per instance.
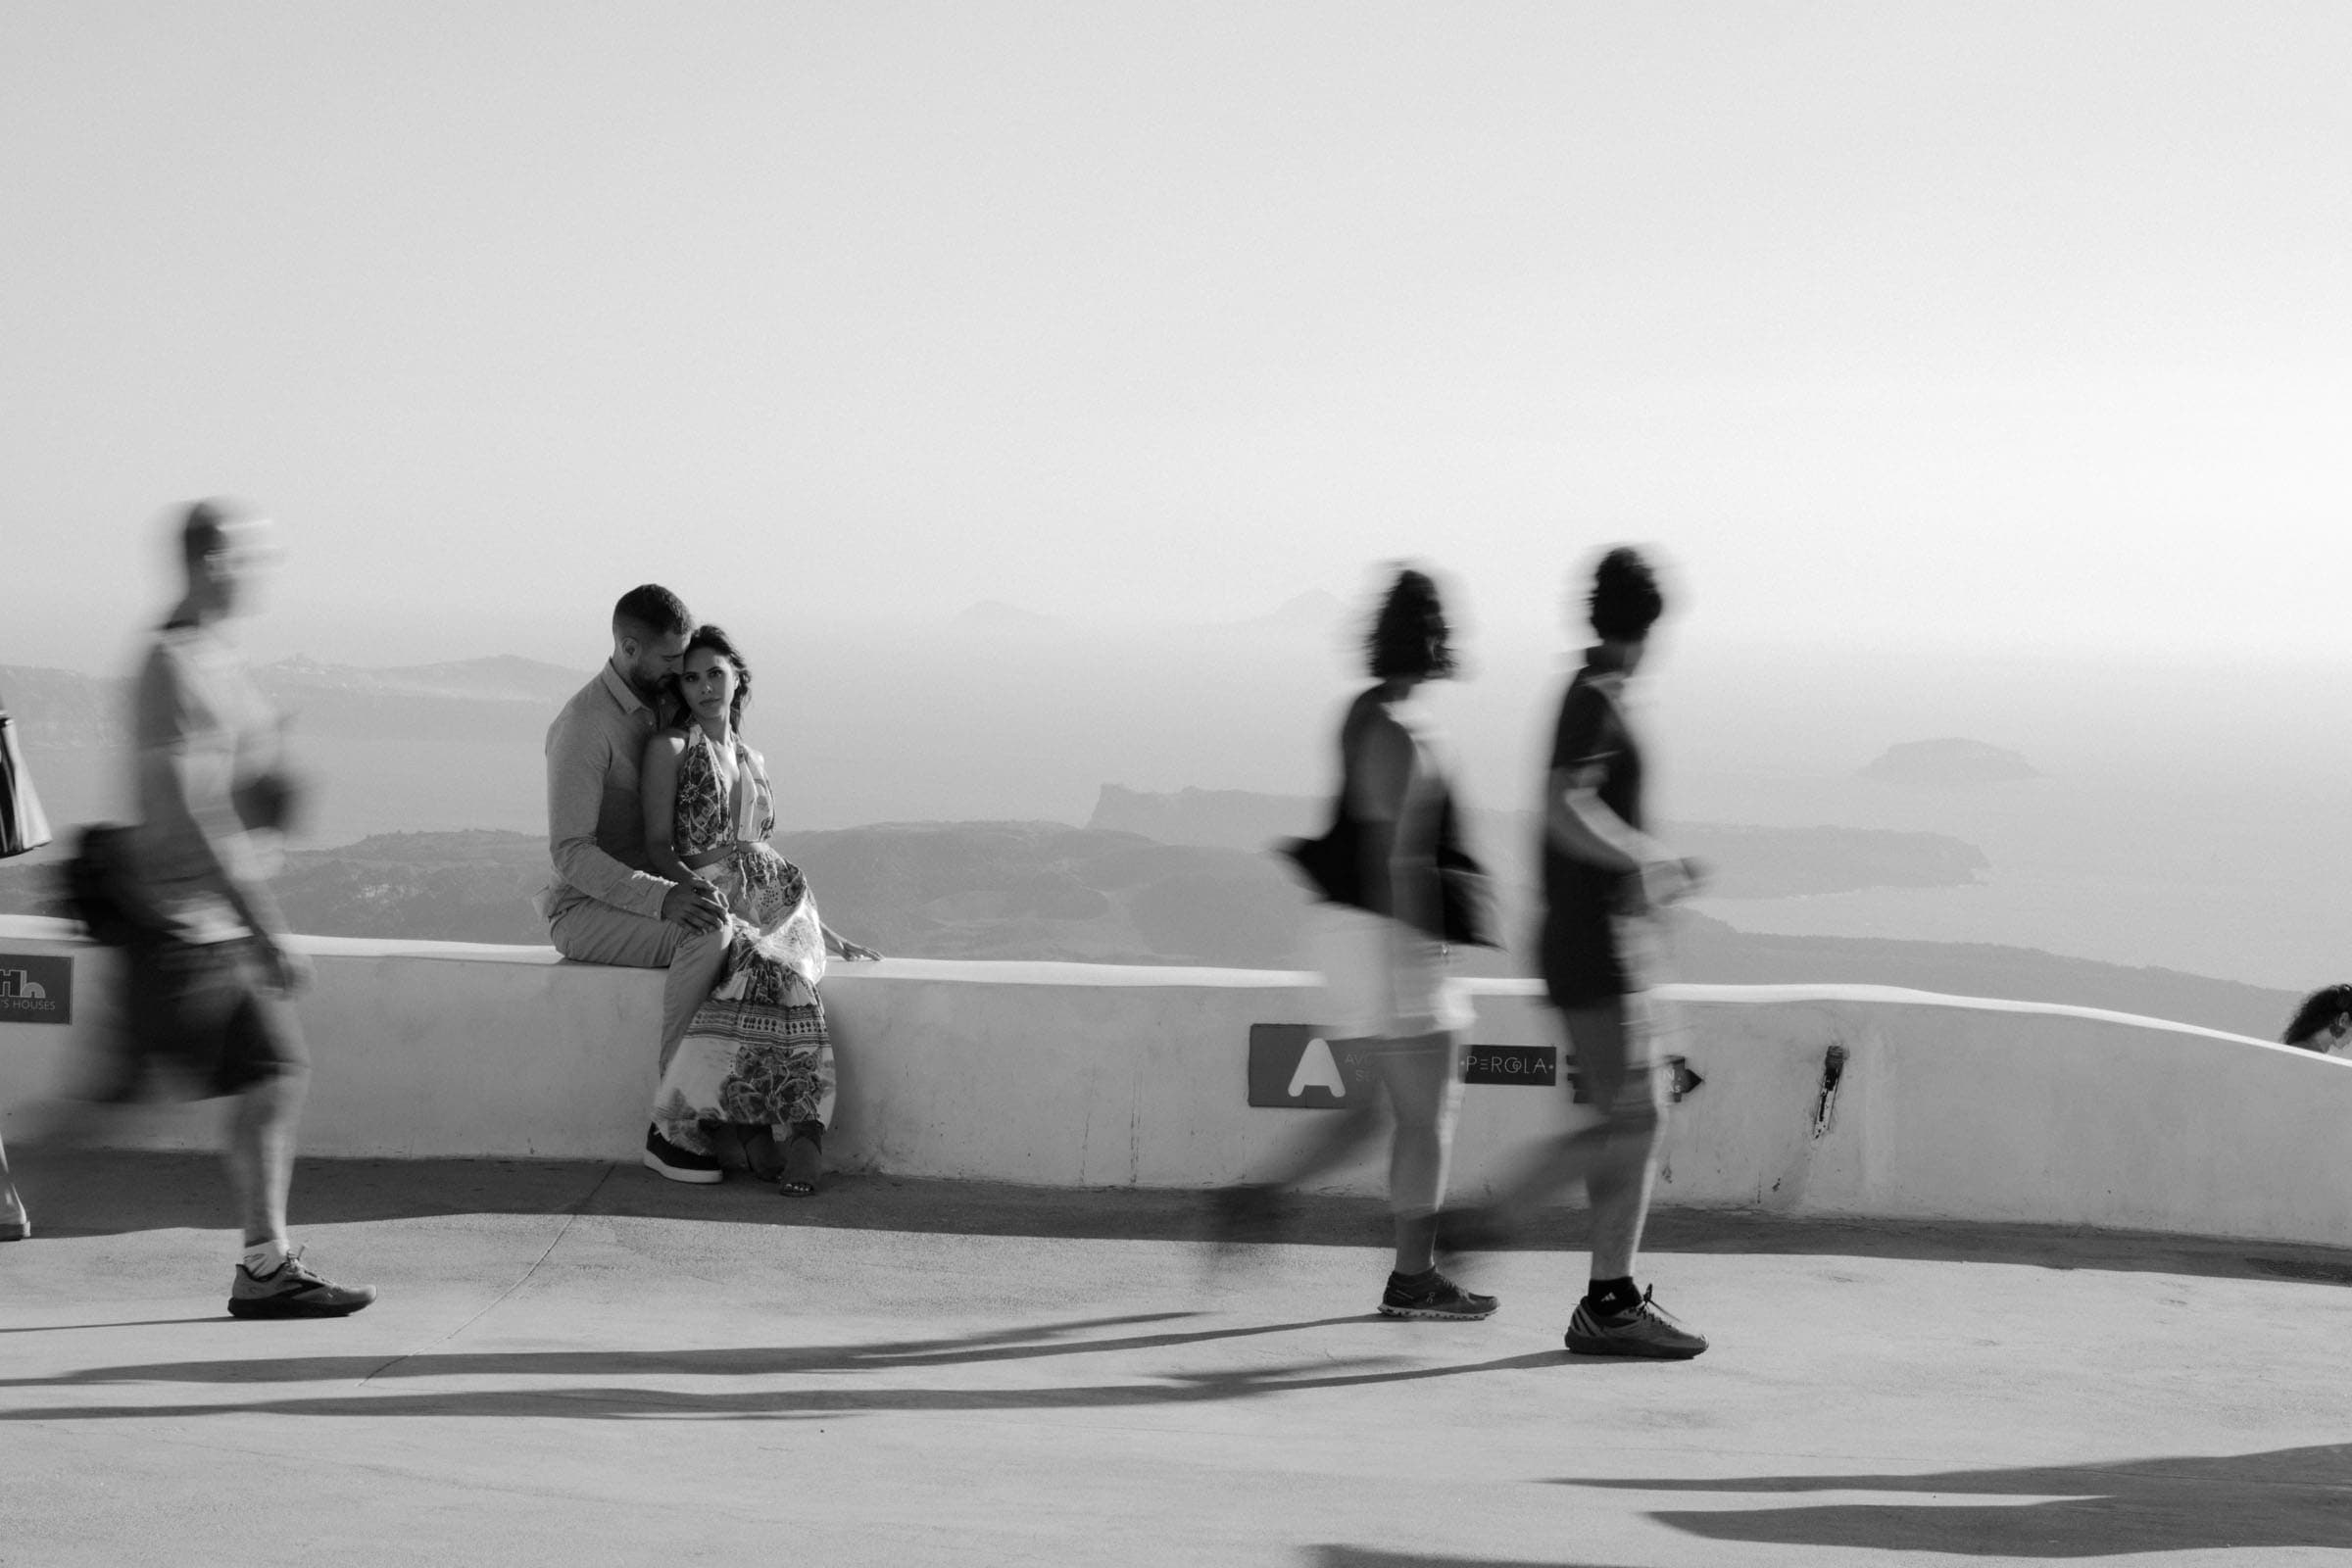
[1903, 323]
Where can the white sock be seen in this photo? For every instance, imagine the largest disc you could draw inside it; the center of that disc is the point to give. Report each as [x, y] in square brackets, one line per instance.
[264, 1257]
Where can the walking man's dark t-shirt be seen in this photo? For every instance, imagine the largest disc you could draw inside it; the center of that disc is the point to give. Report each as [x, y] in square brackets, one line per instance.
[1581, 960]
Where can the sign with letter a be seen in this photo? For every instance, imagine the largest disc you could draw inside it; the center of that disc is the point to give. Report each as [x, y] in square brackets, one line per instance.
[1294, 1066]
[1298, 1067]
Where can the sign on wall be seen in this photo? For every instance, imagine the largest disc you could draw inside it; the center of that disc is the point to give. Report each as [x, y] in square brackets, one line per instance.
[1295, 1066]
[1537, 1065]
[35, 989]
[1298, 1067]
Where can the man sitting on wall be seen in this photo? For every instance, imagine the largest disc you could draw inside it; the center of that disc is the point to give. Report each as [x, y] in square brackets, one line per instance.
[606, 904]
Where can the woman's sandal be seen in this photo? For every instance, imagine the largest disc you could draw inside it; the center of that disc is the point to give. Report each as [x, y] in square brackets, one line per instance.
[804, 1160]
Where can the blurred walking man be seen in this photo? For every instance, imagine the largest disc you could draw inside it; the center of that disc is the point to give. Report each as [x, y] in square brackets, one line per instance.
[1605, 884]
[606, 905]
[209, 982]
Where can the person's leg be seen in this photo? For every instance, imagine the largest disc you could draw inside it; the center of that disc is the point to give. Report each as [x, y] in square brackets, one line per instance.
[1423, 1078]
[1351, 947]
[1545, 1171]
[589, 932]
[258, 1056]
[802, 1159]
[1612, 1044]
[694, 964]
[597, 933]
[1584, 982]
[260, 1155]
[265, 1066]
[671, 1148]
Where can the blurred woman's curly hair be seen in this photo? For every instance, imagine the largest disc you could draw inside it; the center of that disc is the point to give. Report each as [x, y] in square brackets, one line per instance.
[1625, 600]
[2320, 1010]
[1409, 637]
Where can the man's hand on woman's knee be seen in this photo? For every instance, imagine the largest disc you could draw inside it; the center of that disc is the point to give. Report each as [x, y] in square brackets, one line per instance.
[695, 904]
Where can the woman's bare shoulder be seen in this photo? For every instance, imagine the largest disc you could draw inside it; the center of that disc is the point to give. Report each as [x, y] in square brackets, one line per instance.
[1373, 726]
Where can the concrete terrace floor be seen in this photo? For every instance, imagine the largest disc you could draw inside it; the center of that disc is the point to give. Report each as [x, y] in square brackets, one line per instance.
[582, 1364]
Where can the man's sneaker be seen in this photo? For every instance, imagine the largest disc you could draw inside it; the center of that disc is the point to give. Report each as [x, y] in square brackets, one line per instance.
[666, 1158]
[1644, 1329]
[293, 1290]
[1432, 1294]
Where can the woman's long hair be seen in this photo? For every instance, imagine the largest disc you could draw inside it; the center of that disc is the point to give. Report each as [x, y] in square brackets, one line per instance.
[715, 637]
[1410, 636]
[2320, 1010]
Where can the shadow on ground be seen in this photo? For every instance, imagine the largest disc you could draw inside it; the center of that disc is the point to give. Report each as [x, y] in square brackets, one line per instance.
[2286, 1498]
[366, 1375]
[1330, 1556]
[107, 1192]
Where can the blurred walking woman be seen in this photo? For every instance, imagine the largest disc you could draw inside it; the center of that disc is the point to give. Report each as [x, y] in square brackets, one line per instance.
[756, 1065]
[1399, 885]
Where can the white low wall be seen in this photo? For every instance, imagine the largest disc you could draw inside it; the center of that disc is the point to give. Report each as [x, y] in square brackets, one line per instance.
[1100, 1076]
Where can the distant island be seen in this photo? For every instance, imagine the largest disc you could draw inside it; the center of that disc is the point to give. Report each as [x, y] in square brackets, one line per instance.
[1948, 762]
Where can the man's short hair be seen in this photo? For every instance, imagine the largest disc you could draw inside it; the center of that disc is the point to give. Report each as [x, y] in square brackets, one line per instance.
[650, 611]
[1625, 602]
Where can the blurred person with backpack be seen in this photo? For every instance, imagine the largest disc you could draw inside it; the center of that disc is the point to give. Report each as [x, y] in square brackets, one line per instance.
[1398, 886]
[209, 971]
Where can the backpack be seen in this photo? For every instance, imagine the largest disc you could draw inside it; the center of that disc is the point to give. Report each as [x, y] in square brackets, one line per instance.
[96, 888]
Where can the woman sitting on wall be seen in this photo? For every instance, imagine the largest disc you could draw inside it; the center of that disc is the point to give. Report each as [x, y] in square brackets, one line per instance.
[755, 1069]
[2323, 1023]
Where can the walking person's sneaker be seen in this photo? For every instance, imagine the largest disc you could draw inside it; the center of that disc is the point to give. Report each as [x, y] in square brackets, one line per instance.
[1644, 1329]
[666, 1158]
[1432, 1294]
[293, 1290]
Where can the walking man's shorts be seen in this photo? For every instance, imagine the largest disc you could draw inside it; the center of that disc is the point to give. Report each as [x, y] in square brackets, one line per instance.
[205, 1014]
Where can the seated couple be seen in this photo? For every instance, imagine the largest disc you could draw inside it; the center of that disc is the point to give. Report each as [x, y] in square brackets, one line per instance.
[657, 822]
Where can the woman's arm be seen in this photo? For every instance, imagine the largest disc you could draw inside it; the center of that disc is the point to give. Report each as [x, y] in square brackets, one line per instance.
[763, 813]
[1382, 775]
[842, 946]
[657, 792]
